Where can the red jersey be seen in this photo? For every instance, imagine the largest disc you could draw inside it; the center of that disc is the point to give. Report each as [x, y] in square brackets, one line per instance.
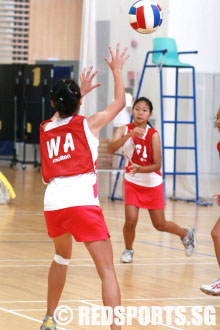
[65, 150]
[143, 152]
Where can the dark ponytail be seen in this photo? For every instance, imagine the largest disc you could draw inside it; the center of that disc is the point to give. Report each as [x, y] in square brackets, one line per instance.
[66, 96]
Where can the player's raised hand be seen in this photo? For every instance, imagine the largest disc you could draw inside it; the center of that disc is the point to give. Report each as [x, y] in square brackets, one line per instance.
[86, 78]
[117, 60]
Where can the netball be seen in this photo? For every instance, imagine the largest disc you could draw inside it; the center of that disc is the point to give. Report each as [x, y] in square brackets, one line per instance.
[145, 16]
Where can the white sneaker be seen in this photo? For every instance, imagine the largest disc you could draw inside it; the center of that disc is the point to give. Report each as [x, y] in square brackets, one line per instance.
[189, 242]
[212, 289]
[127, 256]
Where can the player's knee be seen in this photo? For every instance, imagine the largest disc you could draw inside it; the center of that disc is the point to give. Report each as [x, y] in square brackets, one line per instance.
[161, 226]
[106, 271]
[65, 252]
[61, 261]
[130, 225]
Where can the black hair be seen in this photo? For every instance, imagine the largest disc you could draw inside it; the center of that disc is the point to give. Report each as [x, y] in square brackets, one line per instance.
[146, 100]
[66, 96]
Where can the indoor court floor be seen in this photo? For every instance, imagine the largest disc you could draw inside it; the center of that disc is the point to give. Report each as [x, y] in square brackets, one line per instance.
[161, 274]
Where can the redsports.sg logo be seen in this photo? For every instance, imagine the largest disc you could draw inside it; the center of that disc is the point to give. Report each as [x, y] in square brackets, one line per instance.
[144, 315]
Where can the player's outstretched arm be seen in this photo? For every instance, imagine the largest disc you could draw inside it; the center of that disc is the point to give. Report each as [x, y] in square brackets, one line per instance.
[100, 119]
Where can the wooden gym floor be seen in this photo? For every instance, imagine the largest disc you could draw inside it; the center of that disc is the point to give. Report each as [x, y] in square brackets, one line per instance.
[160, 275]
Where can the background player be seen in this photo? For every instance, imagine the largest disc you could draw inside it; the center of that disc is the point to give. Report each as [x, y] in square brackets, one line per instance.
[143, 181]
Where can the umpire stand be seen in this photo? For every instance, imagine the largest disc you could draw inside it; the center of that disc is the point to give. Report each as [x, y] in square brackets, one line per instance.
[165, 55]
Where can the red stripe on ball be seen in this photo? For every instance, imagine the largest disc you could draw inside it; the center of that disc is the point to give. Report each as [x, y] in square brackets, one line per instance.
[141, 18]
[135, 25]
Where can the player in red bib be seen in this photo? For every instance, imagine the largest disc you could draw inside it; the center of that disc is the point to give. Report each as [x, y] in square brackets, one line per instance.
[143, 180]
[69, 150]
[214, 288]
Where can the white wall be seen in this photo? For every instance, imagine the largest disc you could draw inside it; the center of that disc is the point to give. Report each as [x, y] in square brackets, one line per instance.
[195, 24]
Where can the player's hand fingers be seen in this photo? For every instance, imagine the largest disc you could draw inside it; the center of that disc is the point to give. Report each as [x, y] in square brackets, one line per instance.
[94, 74]
[124, 52]
[118, 50]
[82, 75]
[89, 71]
[111, 51]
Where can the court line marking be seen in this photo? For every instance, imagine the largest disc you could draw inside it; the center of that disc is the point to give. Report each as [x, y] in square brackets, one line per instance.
[206, 297]
[138, 241]
[35, 310]
[90, 259]
[25, 316]
[119, 264]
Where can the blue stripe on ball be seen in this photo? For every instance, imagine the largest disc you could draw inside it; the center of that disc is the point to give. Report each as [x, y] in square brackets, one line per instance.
[157, 18]
[133, 10]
